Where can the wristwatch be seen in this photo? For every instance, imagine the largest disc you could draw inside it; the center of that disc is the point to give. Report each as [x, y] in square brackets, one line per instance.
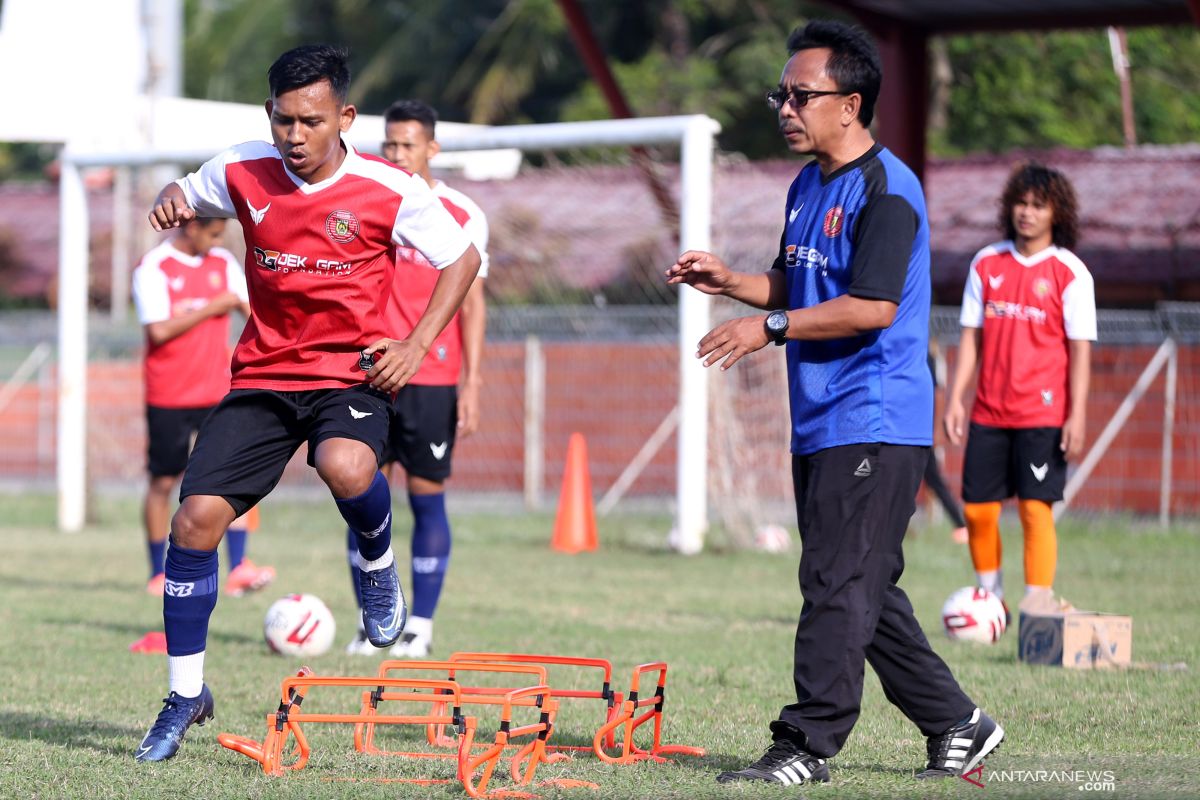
[777, 326]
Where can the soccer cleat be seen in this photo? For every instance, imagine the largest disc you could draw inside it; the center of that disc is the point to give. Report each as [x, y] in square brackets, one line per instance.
[157, 584]
[960, 749]
[178, 714]
[384, 611]
[412, 646]
[247, 577]
[784, 762]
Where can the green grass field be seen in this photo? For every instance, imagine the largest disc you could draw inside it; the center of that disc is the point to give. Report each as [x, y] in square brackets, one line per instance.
[74, 702]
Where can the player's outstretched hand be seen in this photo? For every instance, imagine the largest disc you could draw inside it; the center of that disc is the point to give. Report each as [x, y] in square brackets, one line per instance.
[398, 361]
[954, 421]
[170, 209]
[731, 340]
[705, 271]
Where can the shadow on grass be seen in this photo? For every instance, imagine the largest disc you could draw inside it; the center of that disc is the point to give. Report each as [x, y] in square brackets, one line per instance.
[137, 631]
[80, 734]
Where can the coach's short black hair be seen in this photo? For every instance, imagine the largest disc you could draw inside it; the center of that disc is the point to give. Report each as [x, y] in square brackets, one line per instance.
[412, 111]
[309, 64]
[853, 60]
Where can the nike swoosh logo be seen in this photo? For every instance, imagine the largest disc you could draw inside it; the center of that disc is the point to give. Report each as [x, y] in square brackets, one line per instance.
[795, 213]
[143, 751]
[354, 412]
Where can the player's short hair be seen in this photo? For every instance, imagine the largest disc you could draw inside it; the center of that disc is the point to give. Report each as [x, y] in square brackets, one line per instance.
[1049, 185]
[413, 111]
[853, 59]
[309, 64]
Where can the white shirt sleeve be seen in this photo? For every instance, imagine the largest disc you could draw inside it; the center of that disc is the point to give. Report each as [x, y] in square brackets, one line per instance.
[150, 294]
[971, 315]
[207, 190]
[423, 223]
[476, 227]
[235, 276]
[1079, 301]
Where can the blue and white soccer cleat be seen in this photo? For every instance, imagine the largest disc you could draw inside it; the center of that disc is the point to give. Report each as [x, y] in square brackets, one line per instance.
[178, 714]
[384, 611]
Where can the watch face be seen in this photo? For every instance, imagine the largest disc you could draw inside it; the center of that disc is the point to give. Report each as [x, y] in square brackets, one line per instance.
[777, 322]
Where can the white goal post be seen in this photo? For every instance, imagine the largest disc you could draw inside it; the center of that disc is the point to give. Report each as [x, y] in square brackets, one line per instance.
[693, 134]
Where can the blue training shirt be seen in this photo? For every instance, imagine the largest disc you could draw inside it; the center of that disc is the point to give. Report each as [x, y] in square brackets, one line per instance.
[861, 231]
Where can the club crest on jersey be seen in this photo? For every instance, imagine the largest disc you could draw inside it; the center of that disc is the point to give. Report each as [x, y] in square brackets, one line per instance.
[214, 280]
[834, 218]
[342, 227]
[1041, 287]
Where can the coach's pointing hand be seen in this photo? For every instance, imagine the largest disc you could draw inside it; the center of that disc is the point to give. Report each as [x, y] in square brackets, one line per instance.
[704, 271]
[170, 209]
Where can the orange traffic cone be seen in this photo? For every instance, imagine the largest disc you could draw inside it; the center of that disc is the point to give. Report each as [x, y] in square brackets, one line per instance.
[575, 526]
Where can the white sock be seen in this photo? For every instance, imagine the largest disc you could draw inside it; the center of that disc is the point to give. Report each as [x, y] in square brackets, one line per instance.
[186, 674]
[384, 560]
[422, 627]
[992, 580]
[1046, 590]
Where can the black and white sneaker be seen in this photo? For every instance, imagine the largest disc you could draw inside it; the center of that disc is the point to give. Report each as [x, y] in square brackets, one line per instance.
[960, 749]
[784, 762]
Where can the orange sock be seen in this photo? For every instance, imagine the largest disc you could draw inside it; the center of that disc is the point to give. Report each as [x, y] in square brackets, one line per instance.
[1041, 542]
[983, 530]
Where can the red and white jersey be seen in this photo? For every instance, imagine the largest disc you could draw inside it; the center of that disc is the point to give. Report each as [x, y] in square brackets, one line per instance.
[323, 258]
[191, 370]
[1028, 308]
[413, 286]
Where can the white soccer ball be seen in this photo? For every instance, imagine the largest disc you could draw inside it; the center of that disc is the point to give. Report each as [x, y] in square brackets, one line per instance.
[974, 615]
[299, 625]
[772, 538]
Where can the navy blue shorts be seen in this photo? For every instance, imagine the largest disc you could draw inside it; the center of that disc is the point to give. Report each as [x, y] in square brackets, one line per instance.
[1001, 462]
[249, 438]
[169, 434]
[424, 422]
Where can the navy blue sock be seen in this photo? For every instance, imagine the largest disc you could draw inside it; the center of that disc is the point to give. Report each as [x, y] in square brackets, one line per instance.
[351, 552]
[430, 551]
[370, 516]
[189, 598]
[235, 546]
[158, 555]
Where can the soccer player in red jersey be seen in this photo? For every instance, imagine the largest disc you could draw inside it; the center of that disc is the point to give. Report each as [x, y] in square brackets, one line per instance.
[1028, 323]
[442, 399]
[184, 289]
[316, 363]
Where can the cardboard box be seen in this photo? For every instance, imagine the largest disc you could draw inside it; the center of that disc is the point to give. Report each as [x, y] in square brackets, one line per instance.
[1076, 639]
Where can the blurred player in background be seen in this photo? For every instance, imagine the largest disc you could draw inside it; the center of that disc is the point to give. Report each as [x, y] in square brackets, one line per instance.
[934, 480]
[1028, 322]
[848, 296]
[184, 290]
[441, 401]
[315, 364]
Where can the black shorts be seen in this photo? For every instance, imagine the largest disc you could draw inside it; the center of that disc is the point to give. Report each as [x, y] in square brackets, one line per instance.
[1001, 462]
[424, 422]
[250, 437]
[169, 437]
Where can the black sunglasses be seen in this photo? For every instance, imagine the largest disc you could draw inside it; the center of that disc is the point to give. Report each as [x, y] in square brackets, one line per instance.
[799, 97]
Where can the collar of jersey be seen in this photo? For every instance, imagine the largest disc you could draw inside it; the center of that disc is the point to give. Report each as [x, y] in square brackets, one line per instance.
[311, 188]
[182, 257]
[1036, 258]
